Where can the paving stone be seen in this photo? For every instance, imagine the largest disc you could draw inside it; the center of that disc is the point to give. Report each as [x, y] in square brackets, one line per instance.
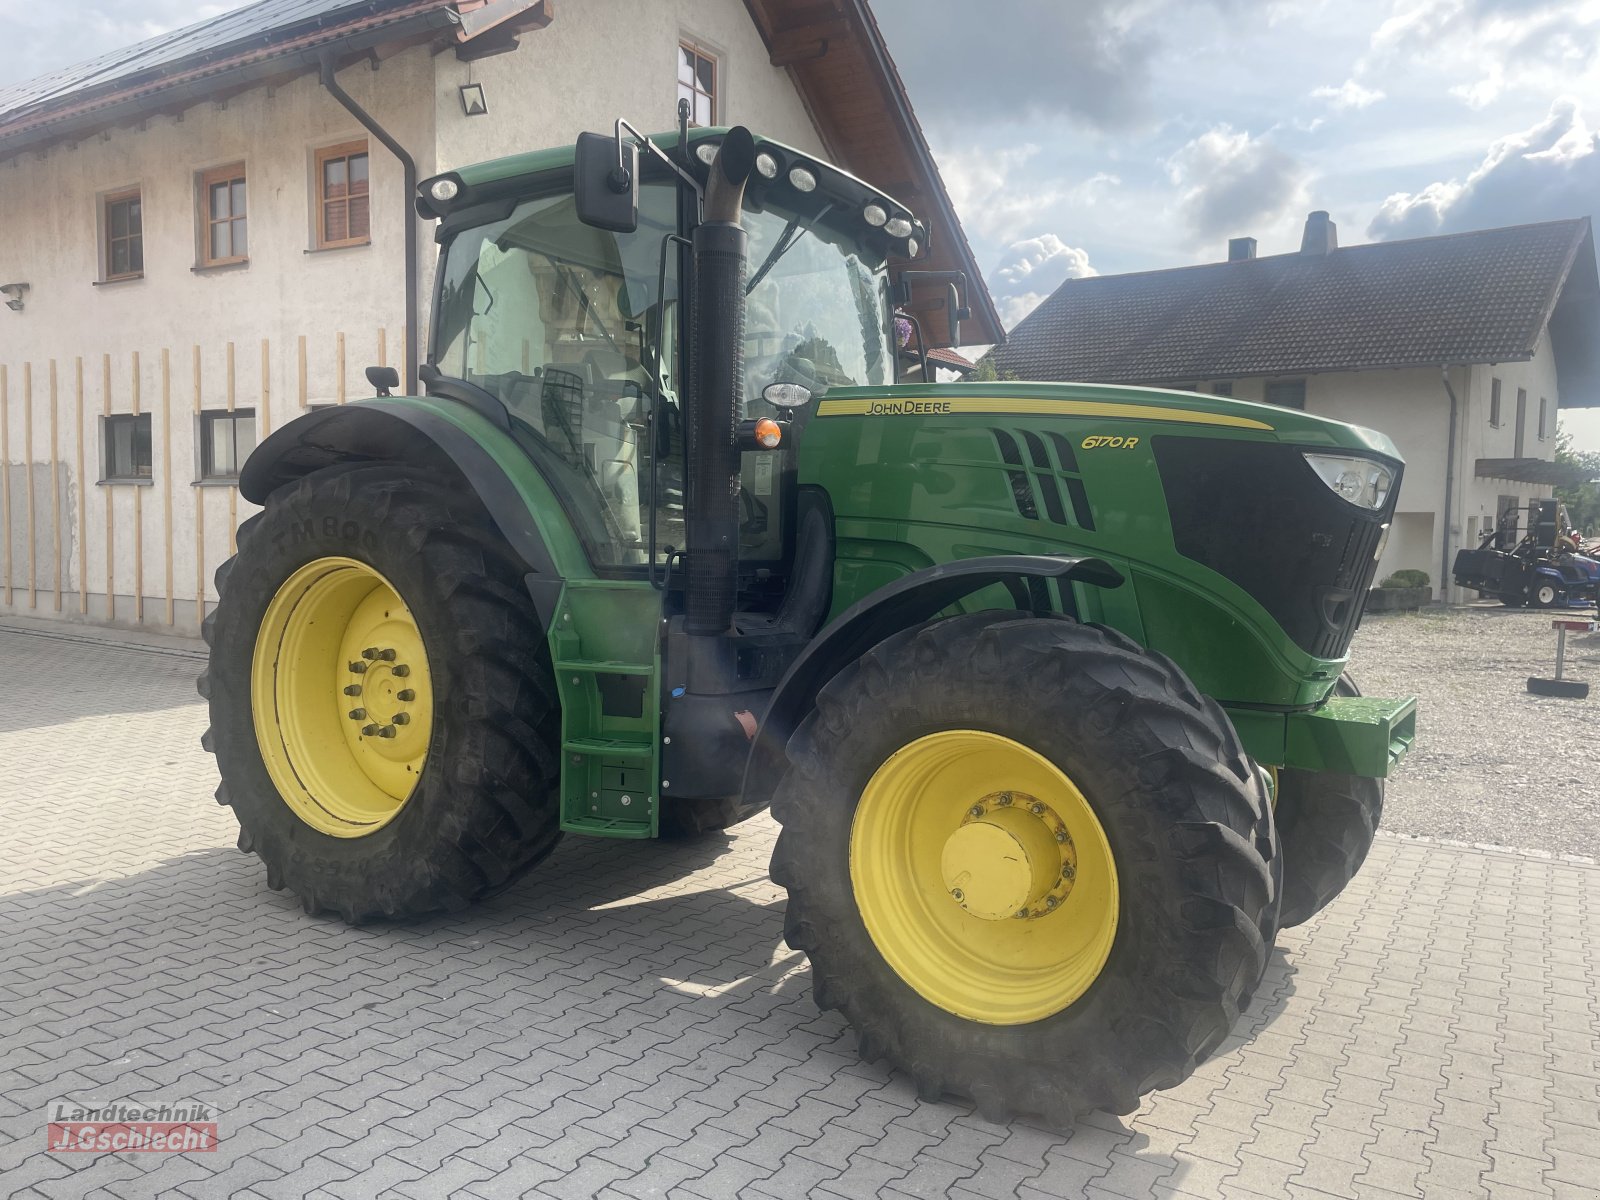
[1432, 1033]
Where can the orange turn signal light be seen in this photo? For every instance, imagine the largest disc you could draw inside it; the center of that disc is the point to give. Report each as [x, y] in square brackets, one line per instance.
[768, 433]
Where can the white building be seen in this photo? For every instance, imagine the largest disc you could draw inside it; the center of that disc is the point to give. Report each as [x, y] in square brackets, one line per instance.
[206, 233]
[1461, 348]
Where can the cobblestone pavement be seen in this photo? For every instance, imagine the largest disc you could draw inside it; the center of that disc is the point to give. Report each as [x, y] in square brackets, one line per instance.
[628, 1022]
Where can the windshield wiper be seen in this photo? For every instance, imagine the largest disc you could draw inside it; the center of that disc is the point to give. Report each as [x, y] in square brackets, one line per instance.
[792, 233]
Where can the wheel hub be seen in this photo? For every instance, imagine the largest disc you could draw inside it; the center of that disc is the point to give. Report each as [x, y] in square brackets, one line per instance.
[1011, 857]
[342, 697]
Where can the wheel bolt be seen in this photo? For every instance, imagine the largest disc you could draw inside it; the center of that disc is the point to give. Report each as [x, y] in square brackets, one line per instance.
[358, 667]
[977, 810]
[353, 690]
[1036, 809]
[1051, 902]
[402, 670]
[358, 714]
[1061, 835]
[1005, 800]
[1022, 914]
[401, 719]
[956, 895]
[386, 655]
[406, 696]
[387, 731]
[1069, 872]
[370, 652]
[370, 730]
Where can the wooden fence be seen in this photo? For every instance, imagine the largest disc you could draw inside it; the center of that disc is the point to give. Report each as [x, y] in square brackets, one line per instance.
[126, 557]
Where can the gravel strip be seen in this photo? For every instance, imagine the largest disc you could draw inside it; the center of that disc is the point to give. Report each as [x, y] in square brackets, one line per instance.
[1491, 763]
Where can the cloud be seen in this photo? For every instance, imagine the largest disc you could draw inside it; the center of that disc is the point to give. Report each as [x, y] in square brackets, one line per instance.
[1508, 42]
[1544, 173]
[1086, 59]
[1030, 270]
[1348, 94]
[1231, 182]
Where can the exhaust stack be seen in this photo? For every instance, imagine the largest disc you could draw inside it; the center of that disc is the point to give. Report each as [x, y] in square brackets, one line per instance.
[716, 390]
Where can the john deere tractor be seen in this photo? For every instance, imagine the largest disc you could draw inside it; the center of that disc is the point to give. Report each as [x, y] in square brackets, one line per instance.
[671, 536]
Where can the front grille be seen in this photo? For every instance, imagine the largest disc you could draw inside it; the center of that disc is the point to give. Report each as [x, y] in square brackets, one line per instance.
[1255, 513]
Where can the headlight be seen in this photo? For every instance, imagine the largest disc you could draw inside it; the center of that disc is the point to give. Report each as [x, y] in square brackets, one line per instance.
[706, 152]
[766, 165]
[802, 180]
[874, 215]
[444, 190]
[1361, 481]
[898, 227]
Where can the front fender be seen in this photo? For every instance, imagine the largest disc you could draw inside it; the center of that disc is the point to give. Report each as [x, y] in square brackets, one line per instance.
[906, 602]
[443, 437]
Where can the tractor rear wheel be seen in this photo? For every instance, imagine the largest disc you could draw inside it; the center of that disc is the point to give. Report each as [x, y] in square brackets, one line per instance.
[1326, 822]
[1029, 862]
[382, 705]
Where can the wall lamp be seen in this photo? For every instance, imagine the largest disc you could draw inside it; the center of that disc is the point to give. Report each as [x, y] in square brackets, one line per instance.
[14, 293]
[473, 103]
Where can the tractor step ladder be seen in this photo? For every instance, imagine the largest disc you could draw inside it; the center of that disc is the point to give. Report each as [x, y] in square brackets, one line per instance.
[604, 646]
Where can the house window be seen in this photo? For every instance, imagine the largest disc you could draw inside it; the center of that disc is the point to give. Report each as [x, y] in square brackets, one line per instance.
[226, 439]
[1544, 418]
[1494, 403]
[1287, 393]
[343, 217]
[697, 82]
[123, 222]
[126, 441]
[223, 236]
[1223, 387]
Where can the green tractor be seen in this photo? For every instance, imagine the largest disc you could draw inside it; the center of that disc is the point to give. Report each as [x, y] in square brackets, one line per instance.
[1022, 670]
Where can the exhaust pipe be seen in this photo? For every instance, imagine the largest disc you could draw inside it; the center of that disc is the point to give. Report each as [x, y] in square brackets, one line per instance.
[716, 391]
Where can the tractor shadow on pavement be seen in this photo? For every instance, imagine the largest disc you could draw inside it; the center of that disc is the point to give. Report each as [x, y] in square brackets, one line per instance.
[648, 974]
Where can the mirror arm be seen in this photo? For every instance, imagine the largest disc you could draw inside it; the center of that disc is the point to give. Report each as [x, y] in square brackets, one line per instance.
[655, 151]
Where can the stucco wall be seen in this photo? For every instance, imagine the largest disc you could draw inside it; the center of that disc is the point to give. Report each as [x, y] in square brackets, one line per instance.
[597, 61]
[610, 59]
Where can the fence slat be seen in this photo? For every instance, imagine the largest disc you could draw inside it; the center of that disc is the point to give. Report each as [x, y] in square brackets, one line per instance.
[199, 514]
[138, 513]
[55, 486]
[5, 469]
[83, 496]
[27, 495]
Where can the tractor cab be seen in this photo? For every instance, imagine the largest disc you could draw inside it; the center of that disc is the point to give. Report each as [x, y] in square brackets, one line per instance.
[581, 335]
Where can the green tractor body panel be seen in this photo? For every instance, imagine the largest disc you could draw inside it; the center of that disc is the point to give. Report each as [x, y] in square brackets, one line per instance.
[919, 475]
[603, 645]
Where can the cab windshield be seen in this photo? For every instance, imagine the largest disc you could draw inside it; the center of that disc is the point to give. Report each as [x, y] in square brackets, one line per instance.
[573, 329]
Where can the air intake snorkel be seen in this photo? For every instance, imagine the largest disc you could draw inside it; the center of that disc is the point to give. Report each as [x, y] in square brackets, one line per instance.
[716, 390]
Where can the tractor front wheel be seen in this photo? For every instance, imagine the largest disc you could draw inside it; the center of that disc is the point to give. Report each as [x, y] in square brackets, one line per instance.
[382, 705]
[1327, 822]
[1029, 862]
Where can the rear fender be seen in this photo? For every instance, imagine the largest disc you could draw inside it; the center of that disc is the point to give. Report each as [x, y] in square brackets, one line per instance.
[906, 602]
[445, 438]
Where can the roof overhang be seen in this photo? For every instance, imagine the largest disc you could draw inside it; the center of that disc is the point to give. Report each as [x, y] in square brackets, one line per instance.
[836, 54]
[1532, 470]
[274, 56]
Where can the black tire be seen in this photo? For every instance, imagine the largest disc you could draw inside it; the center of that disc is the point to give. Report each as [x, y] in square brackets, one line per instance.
[695, 818]
[485, 807]
[1183, 808]
[1326, 822]
[1567, 689]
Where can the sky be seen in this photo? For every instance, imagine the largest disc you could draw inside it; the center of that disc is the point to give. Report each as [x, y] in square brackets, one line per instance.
[1099, 136]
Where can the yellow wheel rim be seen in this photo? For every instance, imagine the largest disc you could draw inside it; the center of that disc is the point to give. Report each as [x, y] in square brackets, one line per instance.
[342, 697]
[984, 877]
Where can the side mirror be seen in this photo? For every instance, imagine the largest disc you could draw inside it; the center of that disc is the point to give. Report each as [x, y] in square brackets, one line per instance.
[605, 183]
[383, 379]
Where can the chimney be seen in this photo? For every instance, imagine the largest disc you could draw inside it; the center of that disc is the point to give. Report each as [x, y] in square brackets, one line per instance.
[1321, 235]
[1241, 249]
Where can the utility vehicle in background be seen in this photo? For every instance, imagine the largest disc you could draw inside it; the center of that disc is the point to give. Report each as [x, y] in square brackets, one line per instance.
[1019, 668]
[1545, 568]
